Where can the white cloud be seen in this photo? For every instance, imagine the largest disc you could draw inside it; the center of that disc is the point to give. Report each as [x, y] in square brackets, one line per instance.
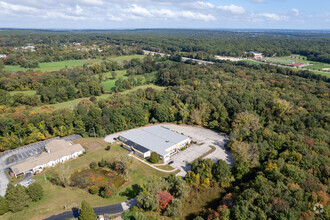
[258, 1]
[16, 8]
[197, 16]
[137, 11]
[295, 11]
[53, 14]
[234, 9]
[164, 13]
[91, 2]
[202, 5]
[272, 16]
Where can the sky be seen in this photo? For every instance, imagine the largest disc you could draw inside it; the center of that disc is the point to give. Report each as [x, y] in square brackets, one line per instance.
[134, 14]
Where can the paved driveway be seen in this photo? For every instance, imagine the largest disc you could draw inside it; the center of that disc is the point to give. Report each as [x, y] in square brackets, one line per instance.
[206, 138]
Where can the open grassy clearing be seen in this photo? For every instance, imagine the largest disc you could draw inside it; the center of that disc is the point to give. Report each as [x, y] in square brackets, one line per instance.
[27, 93]
[143, 87]
[56, 197]
[197, 200]
[109, 83]
[52, 66]
[71, 103]
[294, 58]
[74, 102]
[278, 60]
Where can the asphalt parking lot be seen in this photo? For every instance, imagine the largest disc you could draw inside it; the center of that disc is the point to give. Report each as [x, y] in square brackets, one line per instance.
[205, 138]
[23, 155]
[182, 159]
[9, 158]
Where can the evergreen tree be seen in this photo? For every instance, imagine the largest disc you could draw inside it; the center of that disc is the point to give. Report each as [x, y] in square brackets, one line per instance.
[86, 212]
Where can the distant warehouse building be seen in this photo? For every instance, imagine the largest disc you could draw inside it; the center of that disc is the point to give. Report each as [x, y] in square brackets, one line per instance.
[56, 151]
[157, 138]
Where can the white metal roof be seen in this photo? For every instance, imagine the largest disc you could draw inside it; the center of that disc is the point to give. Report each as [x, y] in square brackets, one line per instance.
[156, 138]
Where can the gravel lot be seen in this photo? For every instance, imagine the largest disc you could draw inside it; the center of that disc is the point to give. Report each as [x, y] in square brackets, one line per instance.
[9, 158]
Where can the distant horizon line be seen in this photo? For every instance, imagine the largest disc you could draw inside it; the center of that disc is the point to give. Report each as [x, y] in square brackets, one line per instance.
[137, 29]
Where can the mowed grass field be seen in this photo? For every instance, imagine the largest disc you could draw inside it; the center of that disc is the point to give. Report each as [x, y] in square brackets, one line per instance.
[74, 102]
[109, 83]
[295, 58]
[52, 66]
[27, 93]
[56, 198]
[71, 103]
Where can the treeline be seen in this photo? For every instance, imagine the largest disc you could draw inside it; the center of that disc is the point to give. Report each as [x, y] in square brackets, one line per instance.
[19, 197]
[278, 126]
[200, 44]
[51, 87]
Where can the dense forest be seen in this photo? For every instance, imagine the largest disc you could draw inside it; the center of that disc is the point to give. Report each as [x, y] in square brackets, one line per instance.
[277, 118]
[201, 44]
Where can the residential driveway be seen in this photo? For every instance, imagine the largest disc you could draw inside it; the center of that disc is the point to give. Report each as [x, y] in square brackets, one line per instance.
[206, 138]
[18, 155]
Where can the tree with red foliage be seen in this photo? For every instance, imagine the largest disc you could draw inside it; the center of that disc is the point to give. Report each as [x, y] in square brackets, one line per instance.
[108, 191]
[164, 198]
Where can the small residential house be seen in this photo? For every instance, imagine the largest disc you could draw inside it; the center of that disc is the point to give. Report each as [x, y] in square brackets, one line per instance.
[56, 151]
[257, 55]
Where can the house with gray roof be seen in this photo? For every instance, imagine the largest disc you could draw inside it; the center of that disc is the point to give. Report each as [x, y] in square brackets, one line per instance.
[157, 138]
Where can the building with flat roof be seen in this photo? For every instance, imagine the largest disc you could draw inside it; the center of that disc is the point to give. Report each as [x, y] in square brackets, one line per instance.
[157, 138]
[56, 151]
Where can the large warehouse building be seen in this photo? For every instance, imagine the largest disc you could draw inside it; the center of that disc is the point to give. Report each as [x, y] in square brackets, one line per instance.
[157, 138]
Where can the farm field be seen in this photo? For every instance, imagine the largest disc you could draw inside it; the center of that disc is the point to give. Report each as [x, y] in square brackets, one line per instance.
[52, 66]
[60, 197]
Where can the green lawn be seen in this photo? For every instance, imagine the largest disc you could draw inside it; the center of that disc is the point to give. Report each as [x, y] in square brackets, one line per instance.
[27, 93]
[52, 66]
[318, 66]
[109, 83]
[56, 198]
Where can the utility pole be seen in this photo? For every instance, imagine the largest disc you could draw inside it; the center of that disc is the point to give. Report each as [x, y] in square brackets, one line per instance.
[20, 138]
[94, 132]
